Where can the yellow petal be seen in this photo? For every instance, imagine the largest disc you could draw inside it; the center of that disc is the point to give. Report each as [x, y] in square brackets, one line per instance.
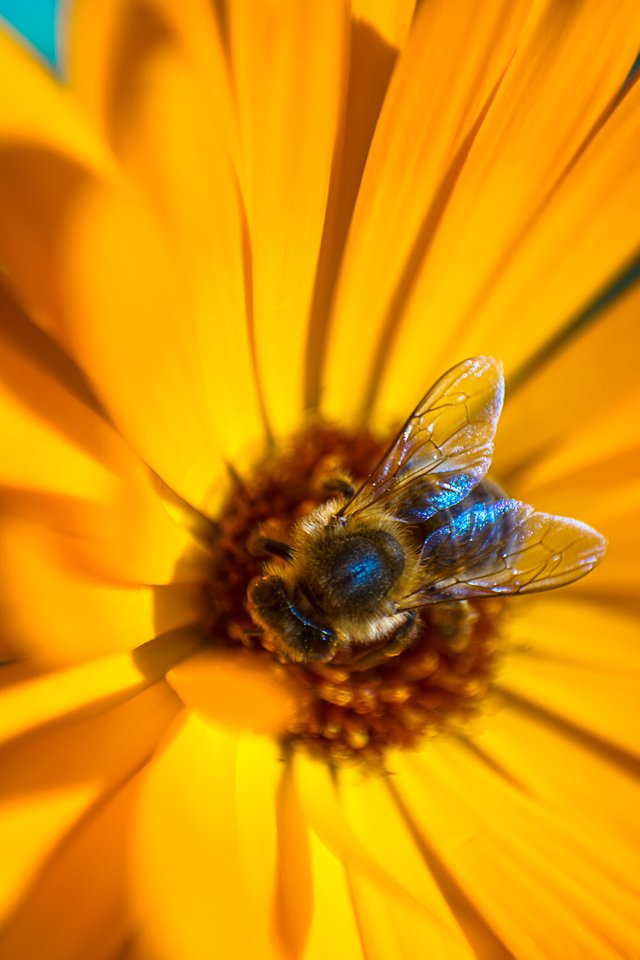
[334, 816]
[507, 850]
[69, 470]
[590, 788]
[169, 135]
[593, 474]
[42, 98]
[257, 780]
[452, 60]
[108, 43]
[378, 31]
[178, 156]
[531, 234]
[617, 579]
[38, 188]
[56, 611]
[586, 378]
[392, 929]
[129, 539]
[603, 443]
[53, 780]
[294, 896]
[425, 926]
[48, 149]
[191, 869]
[334, 930]
[151, 355]
[164, 330]
[390, 21]
[556, 628]
[288, 62]
[531, 131]
[89, 869]
[71, 455]
[233, 691]
[592, 693]
[32, 701]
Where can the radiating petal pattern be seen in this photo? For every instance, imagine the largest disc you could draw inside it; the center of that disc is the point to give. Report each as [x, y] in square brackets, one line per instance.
[55, 609]
[289, 63]
[532, 249]
[56, 780]
[186, 829]
[220, 221]
[437, 97]
[509, 851]
[94, 487]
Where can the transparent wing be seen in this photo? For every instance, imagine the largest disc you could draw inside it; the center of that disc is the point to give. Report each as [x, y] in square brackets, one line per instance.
[503, 547]
[443, 450]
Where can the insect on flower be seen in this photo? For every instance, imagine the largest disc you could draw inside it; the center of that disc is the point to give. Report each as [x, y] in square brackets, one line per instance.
[426, 527]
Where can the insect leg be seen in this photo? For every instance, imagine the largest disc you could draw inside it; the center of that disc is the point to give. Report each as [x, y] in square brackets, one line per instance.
[341, 485]
[396, 643]
[275, 547]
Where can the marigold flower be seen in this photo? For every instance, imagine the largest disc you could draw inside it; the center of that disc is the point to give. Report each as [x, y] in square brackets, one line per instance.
[227, 221]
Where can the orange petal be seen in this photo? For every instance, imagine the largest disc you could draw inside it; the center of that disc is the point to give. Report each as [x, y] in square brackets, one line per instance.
[341, 823]
[38, 188]
[84, 690]
[390, 21]
[48, 150]
[578, 684]
[590, 375]
[535, 227]
[591, 788]
[594, 469]
[555, 628]
[109, 43]
[128, 540]
[613, 508]
[192, 869]
[603, 443]
[168, 130]
[411, 929]
[508, 850]
[389, 928]
[69, 470]
[453, 58]
[56, 611]
[334, 929]
[288, 62]
[235, 691]
[89, 870]
[57, 443]
[294, 896]
[617, 579]
[42, 98]
[329, 815]
[378, 31]
[54, 781]
[151, 353]
[162, 347]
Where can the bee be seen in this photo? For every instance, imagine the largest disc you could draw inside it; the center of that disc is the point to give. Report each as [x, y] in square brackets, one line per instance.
[426, 527]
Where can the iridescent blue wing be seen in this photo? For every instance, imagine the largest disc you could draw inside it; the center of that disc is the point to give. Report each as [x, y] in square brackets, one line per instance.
[503, 547]
[444, 448]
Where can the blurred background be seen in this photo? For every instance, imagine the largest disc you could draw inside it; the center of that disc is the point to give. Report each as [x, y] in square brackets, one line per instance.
[36, 21]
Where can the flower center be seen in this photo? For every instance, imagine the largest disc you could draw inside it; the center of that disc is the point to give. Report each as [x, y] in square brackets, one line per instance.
[363, 686]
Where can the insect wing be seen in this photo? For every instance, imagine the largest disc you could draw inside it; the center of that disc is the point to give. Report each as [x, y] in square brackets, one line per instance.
[503, 547]
[444, 448]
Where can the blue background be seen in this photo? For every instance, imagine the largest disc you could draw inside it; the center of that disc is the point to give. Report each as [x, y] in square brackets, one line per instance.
[36, 20]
